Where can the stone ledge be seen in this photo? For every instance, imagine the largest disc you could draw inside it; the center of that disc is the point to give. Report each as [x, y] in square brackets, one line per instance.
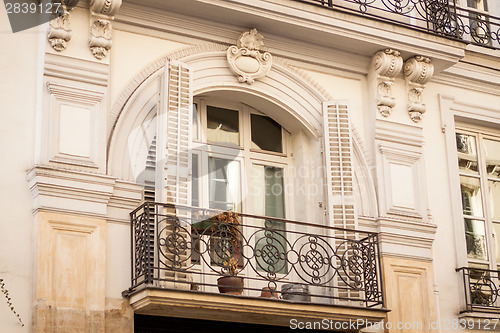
[197, 305]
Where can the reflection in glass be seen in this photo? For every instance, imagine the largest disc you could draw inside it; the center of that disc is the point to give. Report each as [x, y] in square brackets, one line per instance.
[224, 184]
[269, 200]
[266, 134]
[496, 232]
[475, 236]
[471, 196]
[494, 187]
[467, 153]
[492, 150]
[195, 121]
[222, 125]
[195, 182]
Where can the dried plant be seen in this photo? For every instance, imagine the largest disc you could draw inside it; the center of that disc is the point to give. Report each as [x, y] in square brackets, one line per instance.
[9, 301]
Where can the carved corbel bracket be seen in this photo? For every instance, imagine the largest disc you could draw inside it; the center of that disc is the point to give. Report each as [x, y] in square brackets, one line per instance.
[102, 14]
[245, 58]
[59, 32]
[418, 71]
[387, 64]
[100, 38]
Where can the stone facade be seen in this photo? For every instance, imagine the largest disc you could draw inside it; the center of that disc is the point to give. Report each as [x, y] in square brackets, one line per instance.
[85, 95]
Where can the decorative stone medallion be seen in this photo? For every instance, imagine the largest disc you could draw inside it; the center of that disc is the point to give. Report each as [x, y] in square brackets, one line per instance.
[246, 59]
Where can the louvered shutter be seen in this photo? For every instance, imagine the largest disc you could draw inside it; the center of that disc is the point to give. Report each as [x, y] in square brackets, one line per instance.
[173, 181]
[339, 175]
[338, 162]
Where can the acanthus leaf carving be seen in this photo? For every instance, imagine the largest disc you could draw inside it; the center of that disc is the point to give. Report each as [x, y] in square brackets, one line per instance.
[418, 71]
[102, 14]
[100, 38]
[59, 32]
[245, 58]
[387, 65]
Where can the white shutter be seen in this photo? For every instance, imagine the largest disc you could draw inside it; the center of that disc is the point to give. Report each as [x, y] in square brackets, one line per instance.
[339, 175]
[338, 165]
[173, 181]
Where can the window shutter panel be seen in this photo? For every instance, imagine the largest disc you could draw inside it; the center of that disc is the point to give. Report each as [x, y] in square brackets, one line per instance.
[173, 183]
[339, 176]
[338, 165]
[173, 180]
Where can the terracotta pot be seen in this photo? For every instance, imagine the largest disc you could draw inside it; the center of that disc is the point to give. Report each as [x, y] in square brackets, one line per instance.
[269, 293]
[230, 285]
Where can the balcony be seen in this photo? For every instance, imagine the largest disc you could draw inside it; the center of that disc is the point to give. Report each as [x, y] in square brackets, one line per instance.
[317, 271]
[481, 287]
[438, 17]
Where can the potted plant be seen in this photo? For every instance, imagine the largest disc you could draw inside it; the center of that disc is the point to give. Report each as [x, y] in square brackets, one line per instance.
[231, 284]
[227, 243]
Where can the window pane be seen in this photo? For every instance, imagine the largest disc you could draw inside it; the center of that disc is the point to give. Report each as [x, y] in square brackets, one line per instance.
[495, 200]
[195, 121]
[471, 196]
[269, 200]
[492, 150]
[496, 231]
[475, 236]
[266, 134]
[224, 184]
[467, 153]
[195, 183]
[222, 125]
[269, 194]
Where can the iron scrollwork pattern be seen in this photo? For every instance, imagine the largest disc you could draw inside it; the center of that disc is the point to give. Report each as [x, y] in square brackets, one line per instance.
[439, 17]
[481, 288]
[336, 265]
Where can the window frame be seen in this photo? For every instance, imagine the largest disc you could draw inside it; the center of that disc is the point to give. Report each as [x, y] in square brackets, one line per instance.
[481, 133]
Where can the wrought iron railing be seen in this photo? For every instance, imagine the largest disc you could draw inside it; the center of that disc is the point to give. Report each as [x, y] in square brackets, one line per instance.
[190, 248]
[439, 17]
[481, 289]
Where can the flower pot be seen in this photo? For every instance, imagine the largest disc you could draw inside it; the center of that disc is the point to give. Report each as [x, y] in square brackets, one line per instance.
[230, 285]
[269, 293]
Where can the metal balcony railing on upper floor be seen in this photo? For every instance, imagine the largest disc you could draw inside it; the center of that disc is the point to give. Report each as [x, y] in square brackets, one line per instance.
[187, 248]
[481, 289]
[439, 17]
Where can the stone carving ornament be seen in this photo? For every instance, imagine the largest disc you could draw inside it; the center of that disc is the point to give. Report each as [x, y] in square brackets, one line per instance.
[387, 64]
[246, 59]
[59, 32]
[100, 38]
[103, 12]
[418, 71]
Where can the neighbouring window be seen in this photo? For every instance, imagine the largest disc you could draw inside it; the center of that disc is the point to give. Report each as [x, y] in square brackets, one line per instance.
[479, 167]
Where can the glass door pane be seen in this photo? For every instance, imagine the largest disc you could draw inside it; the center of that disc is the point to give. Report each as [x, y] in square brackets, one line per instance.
[269, 200]
[467, 153]
[475, 236]
[471, 196]
[224, 184]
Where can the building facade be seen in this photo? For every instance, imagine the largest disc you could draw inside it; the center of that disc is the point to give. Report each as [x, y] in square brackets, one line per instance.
[338, 161]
